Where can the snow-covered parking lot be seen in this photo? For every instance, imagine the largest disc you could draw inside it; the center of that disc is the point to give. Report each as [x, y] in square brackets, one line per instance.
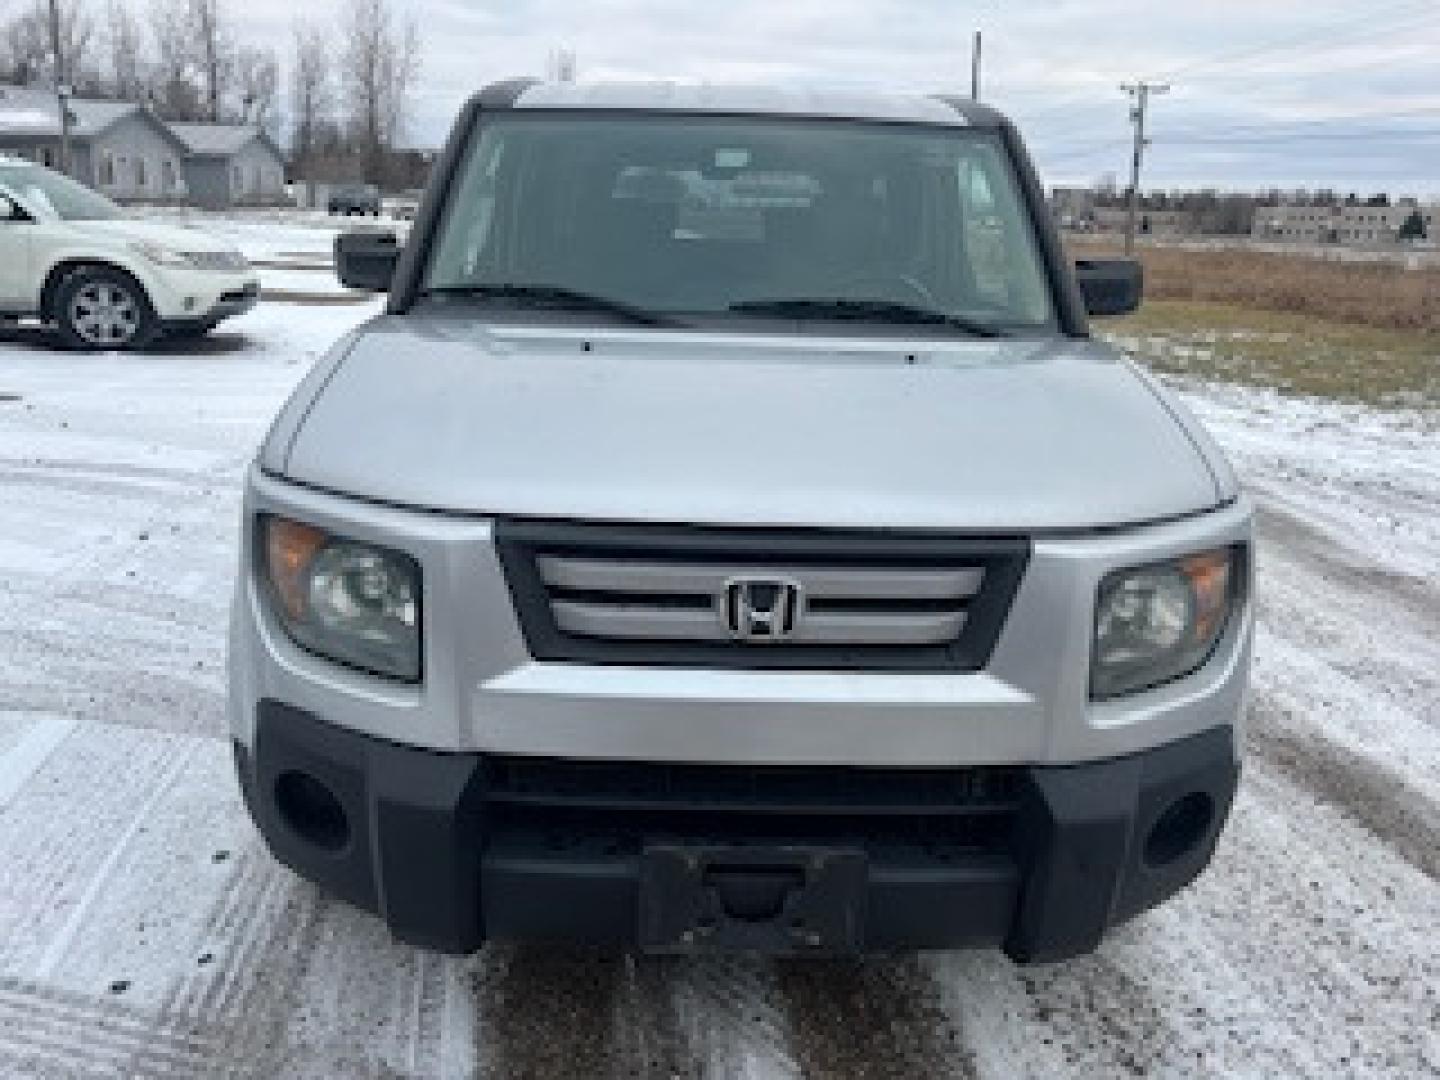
[144, 931]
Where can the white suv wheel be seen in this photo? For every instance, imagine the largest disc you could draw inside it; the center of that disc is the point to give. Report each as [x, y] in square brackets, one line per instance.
[103, 308]
[105, 314]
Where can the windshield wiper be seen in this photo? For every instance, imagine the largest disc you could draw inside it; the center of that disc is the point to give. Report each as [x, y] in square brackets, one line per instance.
[879, 311]
[555, 296]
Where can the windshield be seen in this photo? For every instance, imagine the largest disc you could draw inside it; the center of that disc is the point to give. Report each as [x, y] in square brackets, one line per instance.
[749, 218]
[52, 193]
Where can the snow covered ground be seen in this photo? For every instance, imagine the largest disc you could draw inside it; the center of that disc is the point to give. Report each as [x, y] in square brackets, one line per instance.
[144, 931]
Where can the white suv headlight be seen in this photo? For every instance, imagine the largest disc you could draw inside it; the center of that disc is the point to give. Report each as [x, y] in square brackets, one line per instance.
[1158, 623]
[159, 254]
[342, 599]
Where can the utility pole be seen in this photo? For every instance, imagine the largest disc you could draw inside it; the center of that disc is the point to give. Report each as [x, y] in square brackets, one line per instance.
[62, 91]
[975, 68]
[1140, 94]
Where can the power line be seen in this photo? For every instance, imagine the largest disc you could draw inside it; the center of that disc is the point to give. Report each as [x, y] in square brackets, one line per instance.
[1410, 15]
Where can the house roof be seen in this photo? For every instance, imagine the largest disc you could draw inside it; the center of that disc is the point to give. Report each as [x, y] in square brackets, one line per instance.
[30, 111]
[93, 117]
[23, 111]
[219, 140]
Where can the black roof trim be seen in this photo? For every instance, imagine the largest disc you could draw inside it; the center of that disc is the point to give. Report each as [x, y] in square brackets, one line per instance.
[975, 114]
[504, 94]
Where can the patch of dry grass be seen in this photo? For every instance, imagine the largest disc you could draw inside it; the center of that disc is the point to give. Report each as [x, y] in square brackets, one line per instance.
[1385, 295]
[1387, 368]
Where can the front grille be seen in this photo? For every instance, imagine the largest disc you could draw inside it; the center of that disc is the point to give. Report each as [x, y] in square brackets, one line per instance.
[624, 805]
[759, 598]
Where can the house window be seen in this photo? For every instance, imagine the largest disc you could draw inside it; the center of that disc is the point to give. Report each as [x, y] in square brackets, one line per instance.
[167, 174]
[239, 179]
[141, 180]
[107, 169]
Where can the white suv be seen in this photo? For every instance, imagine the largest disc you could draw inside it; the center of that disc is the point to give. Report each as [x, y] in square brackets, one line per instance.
[71, 257]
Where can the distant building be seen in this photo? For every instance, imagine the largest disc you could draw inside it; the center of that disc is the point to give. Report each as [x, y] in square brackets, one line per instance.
[1073, 207]
[118, 148]
[232, 165]
[1147, 222]
[1340, 224]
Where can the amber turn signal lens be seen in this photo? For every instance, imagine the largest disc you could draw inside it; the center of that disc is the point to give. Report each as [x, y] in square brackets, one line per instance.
[289, 549]
[1209, 576]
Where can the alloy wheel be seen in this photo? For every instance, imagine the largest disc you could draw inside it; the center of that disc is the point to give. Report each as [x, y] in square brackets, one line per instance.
[105, 314]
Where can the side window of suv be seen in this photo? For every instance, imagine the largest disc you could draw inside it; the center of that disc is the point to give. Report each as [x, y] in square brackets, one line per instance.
[464, 248]
[992, 226]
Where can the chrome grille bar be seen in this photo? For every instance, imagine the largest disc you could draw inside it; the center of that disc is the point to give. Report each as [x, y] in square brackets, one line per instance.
[643, 600]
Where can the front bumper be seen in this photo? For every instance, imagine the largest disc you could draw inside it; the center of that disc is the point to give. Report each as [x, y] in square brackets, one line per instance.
[225, 305]
[184, 297]
[451, 850]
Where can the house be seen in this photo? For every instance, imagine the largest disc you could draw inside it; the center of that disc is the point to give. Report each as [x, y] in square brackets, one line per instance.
[1344, 224]
[232, 165]
[1147, 222]
[121, 149]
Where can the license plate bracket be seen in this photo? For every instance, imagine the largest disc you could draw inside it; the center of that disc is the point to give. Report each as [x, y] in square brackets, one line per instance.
[793, 900]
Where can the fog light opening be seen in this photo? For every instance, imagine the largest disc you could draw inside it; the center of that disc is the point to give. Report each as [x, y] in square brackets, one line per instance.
[1179, 830]
[311, 810]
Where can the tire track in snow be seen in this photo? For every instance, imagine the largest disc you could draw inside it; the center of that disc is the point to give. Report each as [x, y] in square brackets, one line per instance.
[1286, 535]
[263, 997]
[651, 1040]
[227, 929]
[877, 1017]
[731, 1012]
[44, 1020]
[548, 1012]
[1374, 796]
[1105, 1020]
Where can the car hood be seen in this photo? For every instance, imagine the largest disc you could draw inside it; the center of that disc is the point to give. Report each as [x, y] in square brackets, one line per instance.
[725, 429]
[178, 237]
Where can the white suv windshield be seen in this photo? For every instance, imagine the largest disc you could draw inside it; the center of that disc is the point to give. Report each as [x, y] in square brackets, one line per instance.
[764, 216]
[56, 194]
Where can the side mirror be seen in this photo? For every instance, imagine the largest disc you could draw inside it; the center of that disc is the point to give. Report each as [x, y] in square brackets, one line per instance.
[1110, 286]
[366, 260]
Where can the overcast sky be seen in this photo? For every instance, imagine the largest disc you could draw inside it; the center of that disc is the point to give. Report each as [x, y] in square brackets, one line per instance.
[1265, 92]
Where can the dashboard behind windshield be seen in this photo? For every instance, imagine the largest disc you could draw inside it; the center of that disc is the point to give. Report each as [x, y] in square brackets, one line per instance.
[707, 215]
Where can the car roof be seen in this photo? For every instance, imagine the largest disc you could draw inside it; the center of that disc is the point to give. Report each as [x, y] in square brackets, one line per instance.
[747, 100]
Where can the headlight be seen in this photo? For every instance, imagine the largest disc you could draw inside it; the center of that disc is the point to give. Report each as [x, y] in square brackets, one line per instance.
[349, 601]
[159, 254]
[1154, 624]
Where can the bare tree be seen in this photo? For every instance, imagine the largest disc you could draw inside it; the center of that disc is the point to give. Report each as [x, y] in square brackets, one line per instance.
[214, 51]
[127, 61]
[311, 94]
[172, 84]
[257, 82]
[30, 55]
[379, 66]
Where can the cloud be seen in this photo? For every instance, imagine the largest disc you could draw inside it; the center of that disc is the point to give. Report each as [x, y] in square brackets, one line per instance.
[1238, 66]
